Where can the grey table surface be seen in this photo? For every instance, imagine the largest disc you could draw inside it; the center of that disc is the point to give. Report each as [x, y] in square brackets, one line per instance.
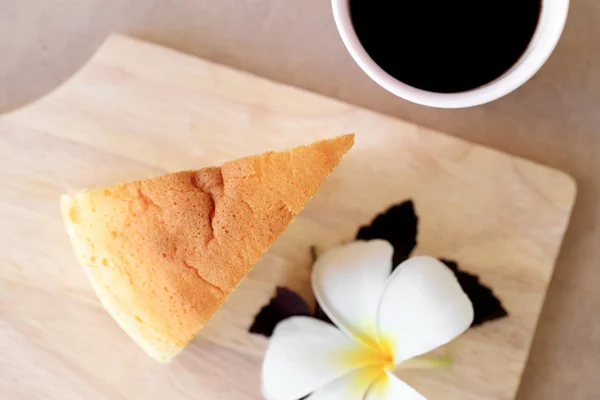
[554, 119]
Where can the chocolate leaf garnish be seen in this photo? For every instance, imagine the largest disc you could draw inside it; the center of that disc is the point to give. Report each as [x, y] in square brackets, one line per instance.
[397, 225]
[486, 305]
[285, 304]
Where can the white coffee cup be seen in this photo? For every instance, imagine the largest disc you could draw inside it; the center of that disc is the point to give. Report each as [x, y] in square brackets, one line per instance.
[549, 29]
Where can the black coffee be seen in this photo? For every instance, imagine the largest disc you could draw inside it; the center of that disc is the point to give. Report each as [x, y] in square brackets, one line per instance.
[445, 46]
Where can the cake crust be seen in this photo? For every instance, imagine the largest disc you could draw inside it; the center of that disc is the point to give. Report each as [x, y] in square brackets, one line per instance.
[164, 253]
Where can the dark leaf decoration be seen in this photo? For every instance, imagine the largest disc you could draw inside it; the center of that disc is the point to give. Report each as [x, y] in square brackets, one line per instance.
[285, 304]
[397, 225]
[486, 305]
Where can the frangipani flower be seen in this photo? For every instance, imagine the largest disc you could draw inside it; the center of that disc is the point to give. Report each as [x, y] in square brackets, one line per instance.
[385, 322]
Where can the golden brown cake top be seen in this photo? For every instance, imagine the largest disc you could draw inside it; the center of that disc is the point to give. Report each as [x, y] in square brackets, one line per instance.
[164, 253]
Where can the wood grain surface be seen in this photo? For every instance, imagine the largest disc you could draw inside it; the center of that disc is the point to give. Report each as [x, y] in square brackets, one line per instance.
[138, 110]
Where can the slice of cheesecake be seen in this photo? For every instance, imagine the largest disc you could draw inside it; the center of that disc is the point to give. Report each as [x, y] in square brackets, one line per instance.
[164, 253]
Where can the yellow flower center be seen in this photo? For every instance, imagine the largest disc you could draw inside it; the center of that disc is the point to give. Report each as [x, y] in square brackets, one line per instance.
[380, 358]
[374, 362]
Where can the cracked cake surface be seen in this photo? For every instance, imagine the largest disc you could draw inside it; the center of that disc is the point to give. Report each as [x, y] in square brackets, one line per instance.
[164, 253]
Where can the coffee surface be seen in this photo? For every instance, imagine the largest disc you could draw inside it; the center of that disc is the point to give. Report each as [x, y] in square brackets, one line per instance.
[443, 45]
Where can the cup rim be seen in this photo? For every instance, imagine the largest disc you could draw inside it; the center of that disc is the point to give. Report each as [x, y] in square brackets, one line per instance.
[553, 17]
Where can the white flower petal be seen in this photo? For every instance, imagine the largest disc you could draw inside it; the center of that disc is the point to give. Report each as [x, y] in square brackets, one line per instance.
[353, 386]
[389, 387]
[305, 354]
[422, 307]
[348, 281]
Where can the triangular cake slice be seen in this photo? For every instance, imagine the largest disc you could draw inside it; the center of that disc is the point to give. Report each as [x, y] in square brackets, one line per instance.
[163, 254]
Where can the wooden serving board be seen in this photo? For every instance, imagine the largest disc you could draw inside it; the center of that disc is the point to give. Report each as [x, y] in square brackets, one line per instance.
[137, 110]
